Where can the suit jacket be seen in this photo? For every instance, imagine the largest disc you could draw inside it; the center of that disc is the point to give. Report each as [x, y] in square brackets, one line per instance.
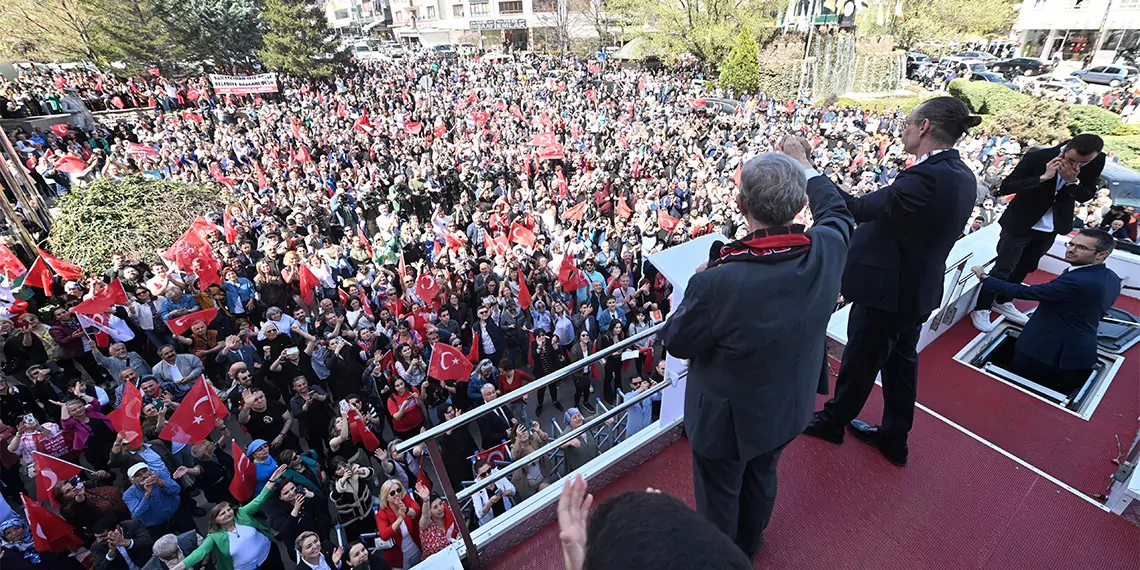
[1061, 333]
[589, 323]
[754, 367]
[897, 258]
[187, 541]
[1033, 197]
[493, 427]
[189, 365]
[497, 339]
[140, 552]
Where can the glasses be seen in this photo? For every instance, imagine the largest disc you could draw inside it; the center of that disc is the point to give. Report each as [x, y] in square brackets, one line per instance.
[483, 474]
[395, 492]
[1080, 247]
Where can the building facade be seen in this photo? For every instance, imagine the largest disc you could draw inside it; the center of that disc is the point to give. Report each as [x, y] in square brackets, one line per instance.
[1072, 29]
[359, 17]
[487, 24]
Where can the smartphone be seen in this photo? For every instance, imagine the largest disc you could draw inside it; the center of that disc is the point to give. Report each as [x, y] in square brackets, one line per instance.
[292, 350]
[29, 419]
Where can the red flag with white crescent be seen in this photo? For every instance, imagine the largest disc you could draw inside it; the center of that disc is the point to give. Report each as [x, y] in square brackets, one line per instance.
[497, 453]
[38, 276]
[194, 419]
[10, 265]
[182, 324]
[448, 363]
[521, 235]
[307, 282]
[244, 482]
[524, 293]
[49, 471]
[51, 533]
[64, 269]
[427, 287]
[361, 435]
[111, 295]
[125, 418]
[473, 353]
[576, 212]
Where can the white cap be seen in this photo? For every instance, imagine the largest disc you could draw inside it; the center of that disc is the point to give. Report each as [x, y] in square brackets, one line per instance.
[135, 469]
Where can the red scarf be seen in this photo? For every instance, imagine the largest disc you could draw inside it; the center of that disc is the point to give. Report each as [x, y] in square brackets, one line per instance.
[766, 245]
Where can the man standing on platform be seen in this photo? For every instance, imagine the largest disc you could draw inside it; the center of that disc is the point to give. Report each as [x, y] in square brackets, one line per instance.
[752, 325]
[895, 273]
[1047, 184]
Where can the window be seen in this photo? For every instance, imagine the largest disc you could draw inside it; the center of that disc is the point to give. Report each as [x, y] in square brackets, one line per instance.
[340, 15]
[551, 5]
[510, 7]
[480, 8]
[457, 10]
[1098, 69]
[431, 12]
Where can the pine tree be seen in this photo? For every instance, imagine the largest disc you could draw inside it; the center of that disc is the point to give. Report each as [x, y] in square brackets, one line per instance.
[741, 69]
[118, 38]
[297, 39]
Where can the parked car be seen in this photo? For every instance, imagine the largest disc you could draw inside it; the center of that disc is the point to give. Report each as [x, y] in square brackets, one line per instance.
[959, 65]
[916, 63]
[720, 105]
[1111, 75]
[982, 55]
[1068, 85]
[1022, 66]
[993, 78]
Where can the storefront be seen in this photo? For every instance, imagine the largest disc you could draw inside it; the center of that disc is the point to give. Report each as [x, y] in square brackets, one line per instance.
[501, 32]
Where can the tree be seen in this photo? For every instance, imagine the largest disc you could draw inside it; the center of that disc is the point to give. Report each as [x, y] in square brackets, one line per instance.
[118, 39]
[46, 30]
[927, 20]
[221, 32]
[133, 216]
[741, 70]
[298, 39]
[704, 28]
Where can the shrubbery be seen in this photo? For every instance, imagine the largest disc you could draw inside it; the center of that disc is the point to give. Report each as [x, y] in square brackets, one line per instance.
[1127, 149]
[1092, 119]
[133, 216]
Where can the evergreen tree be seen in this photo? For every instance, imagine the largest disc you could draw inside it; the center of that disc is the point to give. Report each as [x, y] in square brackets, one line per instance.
[120, 38]
[297, 39]
[219, 32]
[741, 69]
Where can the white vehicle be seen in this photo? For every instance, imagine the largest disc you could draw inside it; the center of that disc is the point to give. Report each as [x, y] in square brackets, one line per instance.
[364, 52]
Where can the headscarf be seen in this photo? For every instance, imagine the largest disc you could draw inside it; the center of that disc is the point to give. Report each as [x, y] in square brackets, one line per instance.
[26, 545]
[570, 413]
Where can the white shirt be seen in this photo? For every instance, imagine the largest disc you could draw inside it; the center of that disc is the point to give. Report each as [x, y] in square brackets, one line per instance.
[248, 547]
[1045, 224]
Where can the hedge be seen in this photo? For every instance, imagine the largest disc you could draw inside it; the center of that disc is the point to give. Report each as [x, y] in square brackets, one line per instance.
[1125, 131]
[907, 104]
[1127, 149]
[1092, 119]
[984, 97]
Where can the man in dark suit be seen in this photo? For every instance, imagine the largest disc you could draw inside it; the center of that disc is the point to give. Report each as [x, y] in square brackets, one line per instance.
[492, 343]
[754, 366]
[1047, 184]
[497, 425]
[1058, 345]
[126, 545]
[894, 276]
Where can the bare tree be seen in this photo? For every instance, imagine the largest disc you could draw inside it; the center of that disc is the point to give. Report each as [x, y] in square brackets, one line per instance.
[46, 29]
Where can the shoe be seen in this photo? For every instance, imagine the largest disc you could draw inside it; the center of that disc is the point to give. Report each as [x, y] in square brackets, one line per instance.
[558, 406]
[538, 411]
[589, 409]
[822, 430]
[981, 320]
[894, 451]
[1011, 313]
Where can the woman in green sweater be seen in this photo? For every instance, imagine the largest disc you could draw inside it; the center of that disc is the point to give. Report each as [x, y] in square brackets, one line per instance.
[237, 541]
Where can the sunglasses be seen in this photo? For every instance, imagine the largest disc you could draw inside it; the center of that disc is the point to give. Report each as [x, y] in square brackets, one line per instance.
[395, 492]
[484, 473]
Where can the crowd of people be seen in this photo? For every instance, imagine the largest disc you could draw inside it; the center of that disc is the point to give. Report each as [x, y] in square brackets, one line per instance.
[506, 208]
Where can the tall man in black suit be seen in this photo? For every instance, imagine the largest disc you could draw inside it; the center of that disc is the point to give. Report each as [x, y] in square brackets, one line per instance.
[754, 366]
[894, 276]
[1058, 345]
[1048, 183]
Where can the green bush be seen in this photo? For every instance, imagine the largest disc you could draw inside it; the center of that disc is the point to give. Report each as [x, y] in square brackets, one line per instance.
[1042, 120]
[969, 92]
[741, 69]
[985, 97]
[1092, 119]
[1125, 131]
[1126, 147]
[133, 216]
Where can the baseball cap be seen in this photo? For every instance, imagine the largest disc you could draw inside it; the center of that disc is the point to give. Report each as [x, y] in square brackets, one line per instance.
[134, 469]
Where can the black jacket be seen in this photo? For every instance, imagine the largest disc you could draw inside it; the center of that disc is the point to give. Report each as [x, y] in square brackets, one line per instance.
[897, 258]
[1033, 197]
[140, 551]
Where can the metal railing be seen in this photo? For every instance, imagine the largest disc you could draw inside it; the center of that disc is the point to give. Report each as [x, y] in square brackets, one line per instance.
[488, 407]
[944, 312]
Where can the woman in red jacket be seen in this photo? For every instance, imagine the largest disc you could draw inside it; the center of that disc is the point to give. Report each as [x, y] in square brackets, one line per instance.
[406, 409]
[397, 519]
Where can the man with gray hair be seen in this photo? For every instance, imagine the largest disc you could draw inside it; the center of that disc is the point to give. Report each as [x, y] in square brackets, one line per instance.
[169, 550]
[752, 325]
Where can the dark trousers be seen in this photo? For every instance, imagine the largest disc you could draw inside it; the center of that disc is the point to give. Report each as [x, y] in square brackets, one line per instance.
[737, 496]
[1018, 254]
[877, 341]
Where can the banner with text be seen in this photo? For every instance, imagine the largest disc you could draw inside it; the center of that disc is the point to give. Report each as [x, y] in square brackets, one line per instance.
[243, 84]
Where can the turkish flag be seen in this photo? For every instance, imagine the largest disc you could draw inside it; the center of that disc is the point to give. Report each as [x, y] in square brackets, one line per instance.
[401, 267]
[302, 155]
[64, 269]
[182, 324]
[480, 118]
[194, 419]
[193, 94]
[543, 139]
[262, 180]
[514, 108]
[186, 248]
[244, 482]
[576, 212]
[71, 164]
[497, 453]
[453, 242]
[51, 533]
[366, 305]
[191, 117]
[413, 127]
[343, 296]
[500, 105]
[423, 479]
[427, 287]
[593, 68]
[697, 103]
[38, 276]
[448, 363]
[388, 362]
[59, 129]
[362, 124]
[552, 152]
[117, 102]
[125, 418]
[308, 283]
[591, 94]
[228, 225]
[473, 352]
[111, 295]
[361, 435]
[623, 210]
[207, 268]
[364, 240]
[571, 277]
[521, 235]
[524, 293]
[146, 150]
[10, 265]
[440, 130]
[667, 222]
[50, 471]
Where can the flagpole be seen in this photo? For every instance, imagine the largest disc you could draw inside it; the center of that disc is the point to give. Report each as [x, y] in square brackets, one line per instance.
[62, 461]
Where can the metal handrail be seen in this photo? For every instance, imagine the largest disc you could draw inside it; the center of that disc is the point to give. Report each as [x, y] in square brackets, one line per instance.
[557, 442]
[952, 266]
[488, 407]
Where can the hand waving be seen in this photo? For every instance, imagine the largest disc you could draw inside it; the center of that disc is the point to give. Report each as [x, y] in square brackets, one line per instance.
[573, 514]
